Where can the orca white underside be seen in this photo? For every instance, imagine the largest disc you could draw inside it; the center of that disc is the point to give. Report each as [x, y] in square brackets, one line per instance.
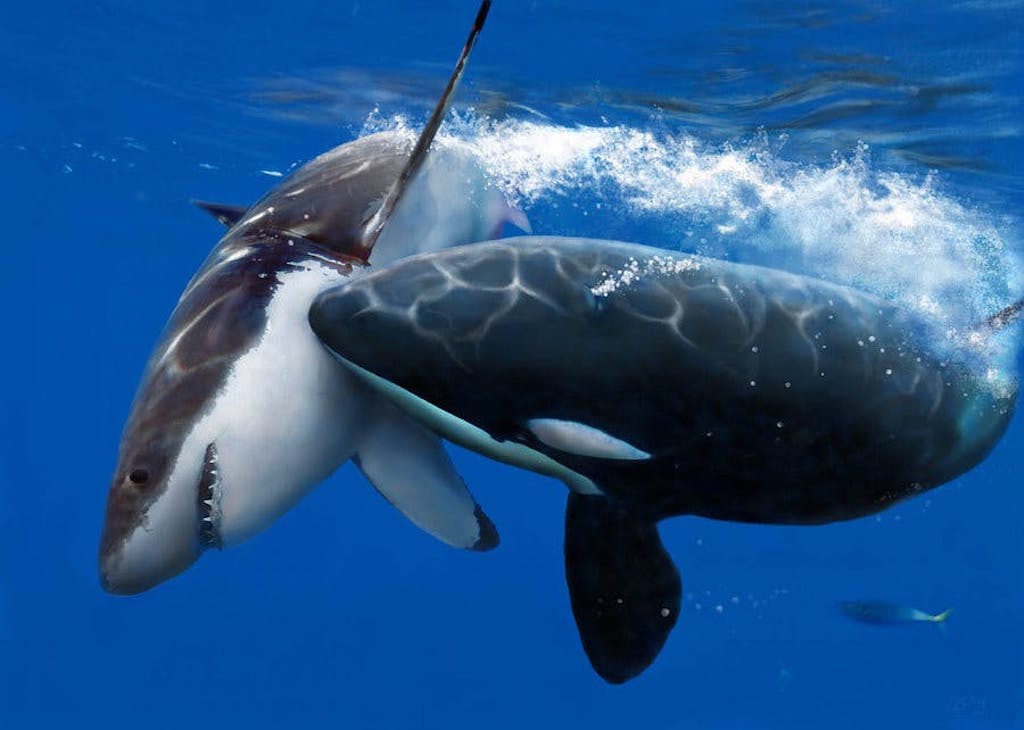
[581, 439]
[471, 437]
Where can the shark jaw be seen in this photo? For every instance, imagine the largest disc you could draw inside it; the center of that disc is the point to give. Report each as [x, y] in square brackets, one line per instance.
[284, 418]
[255, 451]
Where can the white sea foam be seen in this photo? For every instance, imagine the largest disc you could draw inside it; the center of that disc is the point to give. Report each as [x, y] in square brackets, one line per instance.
[900, 236]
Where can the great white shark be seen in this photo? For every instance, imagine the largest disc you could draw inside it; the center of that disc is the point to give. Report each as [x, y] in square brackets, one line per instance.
[241, 411]
[655, 384]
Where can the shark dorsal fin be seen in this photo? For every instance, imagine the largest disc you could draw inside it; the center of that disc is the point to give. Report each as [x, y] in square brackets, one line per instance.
[228, 215]
[373, 227]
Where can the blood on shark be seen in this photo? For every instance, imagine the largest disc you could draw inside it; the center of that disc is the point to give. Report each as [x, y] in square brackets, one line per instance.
[655, 384]
[241, 411]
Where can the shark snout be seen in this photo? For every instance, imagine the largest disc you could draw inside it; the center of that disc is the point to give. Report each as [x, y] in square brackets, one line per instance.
[146, 542]
[146, 559]
[124, 574]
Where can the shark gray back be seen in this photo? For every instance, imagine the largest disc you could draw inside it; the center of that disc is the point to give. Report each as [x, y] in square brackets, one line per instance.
[221, 315]
[240, 411]
[658, 384]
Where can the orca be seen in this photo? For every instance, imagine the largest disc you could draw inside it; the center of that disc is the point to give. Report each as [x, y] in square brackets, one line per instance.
[657, 383]
[241, 411]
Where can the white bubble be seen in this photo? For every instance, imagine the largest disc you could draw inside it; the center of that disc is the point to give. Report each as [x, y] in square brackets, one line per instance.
[899, 236]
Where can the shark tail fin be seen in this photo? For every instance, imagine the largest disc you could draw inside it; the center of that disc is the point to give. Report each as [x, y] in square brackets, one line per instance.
[373, 227]
[940, 618]
[1007, 315]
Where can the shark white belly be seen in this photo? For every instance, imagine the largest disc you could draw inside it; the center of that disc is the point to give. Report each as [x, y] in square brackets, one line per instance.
[284, 420]
[241, 411]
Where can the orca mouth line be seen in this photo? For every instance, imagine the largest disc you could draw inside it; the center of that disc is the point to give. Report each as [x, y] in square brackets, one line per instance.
[208, 496]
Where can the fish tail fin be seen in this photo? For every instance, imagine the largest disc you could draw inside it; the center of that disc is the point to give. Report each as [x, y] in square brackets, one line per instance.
[940, 618]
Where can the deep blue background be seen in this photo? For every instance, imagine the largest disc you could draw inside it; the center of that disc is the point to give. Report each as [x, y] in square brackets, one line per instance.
[114, 114]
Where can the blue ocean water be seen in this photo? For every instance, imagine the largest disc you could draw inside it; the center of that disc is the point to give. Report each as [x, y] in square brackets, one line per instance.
[872, 143]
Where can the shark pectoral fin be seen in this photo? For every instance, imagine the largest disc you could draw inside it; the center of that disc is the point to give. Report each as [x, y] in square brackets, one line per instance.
[624, 589]
[227, 215]
[410, 468]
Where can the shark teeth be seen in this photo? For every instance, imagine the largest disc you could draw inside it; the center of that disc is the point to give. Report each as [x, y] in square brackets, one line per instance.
[208, 494]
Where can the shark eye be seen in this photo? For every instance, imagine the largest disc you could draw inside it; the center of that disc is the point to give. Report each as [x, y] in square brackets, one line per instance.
[138, 477]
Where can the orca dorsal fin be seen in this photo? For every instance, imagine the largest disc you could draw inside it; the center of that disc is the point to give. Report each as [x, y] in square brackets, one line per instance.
[1005, 316]
[228, 215]
[373, 227]
[624, 588]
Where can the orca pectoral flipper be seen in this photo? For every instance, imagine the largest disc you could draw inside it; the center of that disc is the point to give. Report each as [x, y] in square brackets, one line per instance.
[410, 468]
[624, 589]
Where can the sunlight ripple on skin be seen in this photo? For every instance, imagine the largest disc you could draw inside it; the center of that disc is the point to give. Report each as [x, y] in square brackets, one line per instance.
[898, 236]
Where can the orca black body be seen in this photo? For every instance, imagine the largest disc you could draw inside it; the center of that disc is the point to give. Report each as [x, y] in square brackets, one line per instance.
[665, 384]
